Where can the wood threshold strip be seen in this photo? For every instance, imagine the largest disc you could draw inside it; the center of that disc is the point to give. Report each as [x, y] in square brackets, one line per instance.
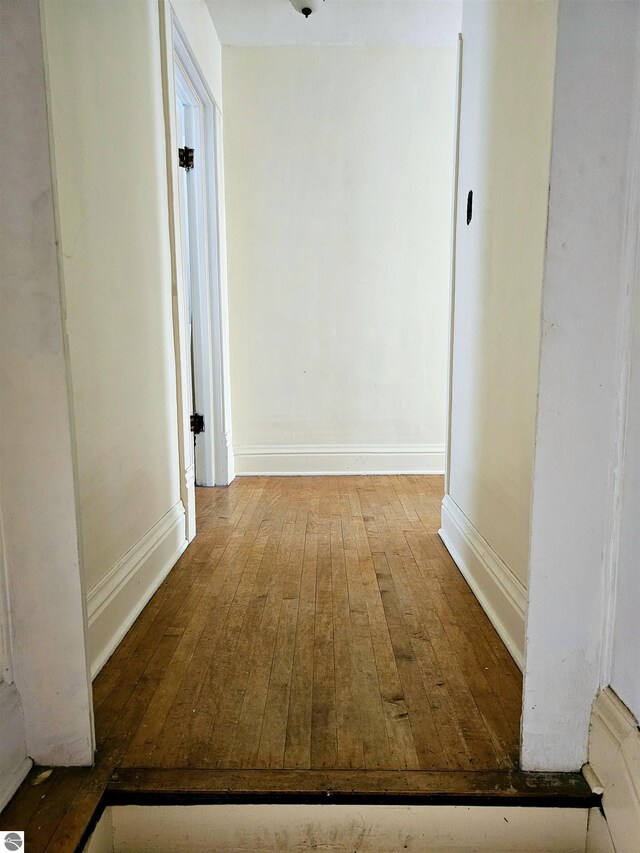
[160, 786]
[149, 786]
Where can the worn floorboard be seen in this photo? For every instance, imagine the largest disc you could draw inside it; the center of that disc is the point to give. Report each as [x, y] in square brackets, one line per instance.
[421, 787]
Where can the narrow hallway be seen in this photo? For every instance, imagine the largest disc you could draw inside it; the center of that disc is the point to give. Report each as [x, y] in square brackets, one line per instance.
[315, 640]
[268, 275]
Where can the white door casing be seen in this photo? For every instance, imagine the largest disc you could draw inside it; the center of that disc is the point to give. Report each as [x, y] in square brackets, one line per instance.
[206, 243]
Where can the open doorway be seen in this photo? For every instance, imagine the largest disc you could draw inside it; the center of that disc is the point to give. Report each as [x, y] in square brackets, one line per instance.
[204, 397]
[189, 111]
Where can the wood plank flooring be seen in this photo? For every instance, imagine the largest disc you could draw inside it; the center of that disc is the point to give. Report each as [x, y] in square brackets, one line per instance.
[315, 623]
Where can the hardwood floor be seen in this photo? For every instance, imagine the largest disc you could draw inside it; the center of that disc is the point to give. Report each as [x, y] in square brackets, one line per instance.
[315, 623]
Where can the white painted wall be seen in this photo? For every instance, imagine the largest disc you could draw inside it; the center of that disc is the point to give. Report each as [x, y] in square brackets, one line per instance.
[579, 407]
[101, 839]
[5, 636]
[624, 671]
[598, 835]
[108, 125]
[338, 185]
[625, 675]
[505, 137]
[345, 828]
[48, 714]
[14, 763]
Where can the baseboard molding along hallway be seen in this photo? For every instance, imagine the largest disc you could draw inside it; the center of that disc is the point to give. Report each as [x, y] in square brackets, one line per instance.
[301, 459]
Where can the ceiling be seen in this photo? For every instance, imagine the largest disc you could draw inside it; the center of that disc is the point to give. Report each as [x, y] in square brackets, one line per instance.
[338, 22]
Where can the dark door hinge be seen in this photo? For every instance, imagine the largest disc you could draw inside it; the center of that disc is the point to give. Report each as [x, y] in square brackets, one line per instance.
[197, 424]
[185, 158]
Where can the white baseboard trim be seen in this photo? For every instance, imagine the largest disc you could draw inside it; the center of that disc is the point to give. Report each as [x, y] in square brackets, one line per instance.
[614, 754]
[14, 763]
[10, 782]
[502, 596]
[301, 459]
[117, 599]
[190, 490]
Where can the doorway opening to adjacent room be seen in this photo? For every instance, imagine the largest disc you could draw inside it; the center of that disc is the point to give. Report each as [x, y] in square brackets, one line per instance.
[200, 303]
